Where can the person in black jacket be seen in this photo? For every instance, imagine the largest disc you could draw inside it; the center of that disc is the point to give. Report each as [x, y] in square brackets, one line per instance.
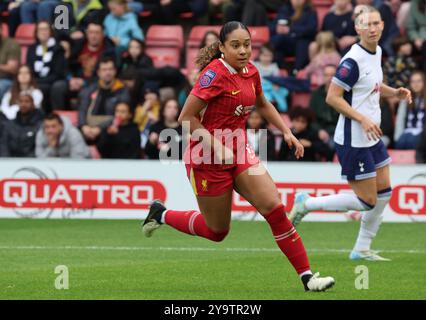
[315, 149]
[121, 140]
[135, 58]
[46, 60]
[18, 138]
[97, 102]
[84, 56]
[169, 115]
[292, 31]
[3, 121]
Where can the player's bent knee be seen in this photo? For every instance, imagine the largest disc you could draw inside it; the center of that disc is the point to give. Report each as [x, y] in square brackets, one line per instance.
[217, 236]
[269, 206]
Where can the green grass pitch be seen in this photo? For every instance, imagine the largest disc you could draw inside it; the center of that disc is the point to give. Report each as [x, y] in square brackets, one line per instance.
[110, 259]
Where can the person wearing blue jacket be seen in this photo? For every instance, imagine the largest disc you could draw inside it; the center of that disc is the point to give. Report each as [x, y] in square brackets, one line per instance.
[293, 29]
[121, 25]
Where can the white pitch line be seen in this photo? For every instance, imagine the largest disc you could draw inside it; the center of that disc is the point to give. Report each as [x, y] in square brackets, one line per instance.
[112, 248]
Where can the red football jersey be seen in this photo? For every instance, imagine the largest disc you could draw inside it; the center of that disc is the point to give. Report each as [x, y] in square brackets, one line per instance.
[229, 96]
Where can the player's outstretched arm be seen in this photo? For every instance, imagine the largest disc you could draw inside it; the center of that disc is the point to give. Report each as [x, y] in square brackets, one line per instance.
[335, 99]
[268, 112]
[400, 93]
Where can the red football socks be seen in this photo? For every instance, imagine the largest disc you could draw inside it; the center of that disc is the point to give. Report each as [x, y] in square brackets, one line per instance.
[288, 239]
[192, 222]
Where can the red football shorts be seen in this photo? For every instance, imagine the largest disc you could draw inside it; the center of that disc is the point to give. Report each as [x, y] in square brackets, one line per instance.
[215, 182]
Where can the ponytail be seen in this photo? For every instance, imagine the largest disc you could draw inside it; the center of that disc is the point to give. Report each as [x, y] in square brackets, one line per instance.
[207, 55]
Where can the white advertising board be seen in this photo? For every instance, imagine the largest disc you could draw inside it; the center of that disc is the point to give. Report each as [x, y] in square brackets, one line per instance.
[118, 189]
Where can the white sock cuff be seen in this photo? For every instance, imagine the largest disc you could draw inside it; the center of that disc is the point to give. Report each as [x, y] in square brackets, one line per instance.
[163, 216]
[305, 273]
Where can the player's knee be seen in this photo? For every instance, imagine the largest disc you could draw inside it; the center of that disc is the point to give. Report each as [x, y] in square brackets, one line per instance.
[218, 236]
[269, 206]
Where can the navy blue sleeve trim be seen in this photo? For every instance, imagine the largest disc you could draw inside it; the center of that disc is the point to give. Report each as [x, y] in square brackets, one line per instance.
[347, 74]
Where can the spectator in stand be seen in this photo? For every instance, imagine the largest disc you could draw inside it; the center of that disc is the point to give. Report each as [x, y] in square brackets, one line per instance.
[24, 81]
[58, 138]
[387, 123]
[421, 148]
[120, 140]
[326, 117]
[301, 119]
[148, 112]
[13, 7]
[3, 142]
[391, 29]
[250, 12]
[10, 55]
[258, 135]
[326, 55]
[416, 27]
[267, 67]
[97, 101]
[402, 14]
[410, 119]
[19, 135]
[209, 38]
[136, 58]
[339, 21]
[191, 79]
[46, 60]
[121, 25]
[223, 8]
[169, 115]
[398, 68]
[292, 31]
[134, 84]
[85, 54]
[82, 13]
[33, 11]
[168, 11]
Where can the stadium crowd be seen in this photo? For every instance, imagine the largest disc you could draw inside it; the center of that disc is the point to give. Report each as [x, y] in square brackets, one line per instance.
[95, 90]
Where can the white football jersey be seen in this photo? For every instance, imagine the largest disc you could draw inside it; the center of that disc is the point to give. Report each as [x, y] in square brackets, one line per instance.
[360, 74]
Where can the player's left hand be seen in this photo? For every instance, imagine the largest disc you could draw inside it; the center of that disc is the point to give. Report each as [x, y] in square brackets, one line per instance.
[404, 94]
[292, 141]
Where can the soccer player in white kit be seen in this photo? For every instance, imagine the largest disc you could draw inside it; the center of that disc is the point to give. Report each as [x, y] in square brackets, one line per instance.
[355, 93]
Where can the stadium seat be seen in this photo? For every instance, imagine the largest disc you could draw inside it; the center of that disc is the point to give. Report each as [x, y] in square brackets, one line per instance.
[286, 120]
[300, 99]
[71, 115]
[145, 14]
[403, 156]
[197, 33]
[4, 30]
[259, 36]
[193, 43]
[165, 36]
[186, 15]
[162, 57]
[25, 34]
[94, 153]
[164, 44]
[323, 3]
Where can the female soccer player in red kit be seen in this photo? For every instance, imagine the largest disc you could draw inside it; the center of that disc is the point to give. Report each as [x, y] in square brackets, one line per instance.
[227, 88]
